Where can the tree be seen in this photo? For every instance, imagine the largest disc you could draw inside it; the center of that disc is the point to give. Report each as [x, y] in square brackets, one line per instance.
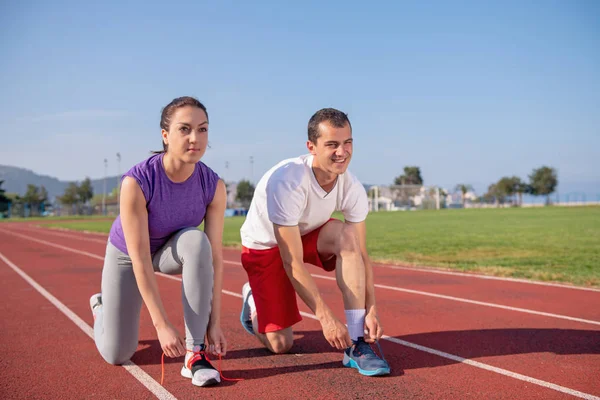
[520, 187]
[43, 196]
[32, 197]
[2, 191]
[505, 187]
[543, 182]
[245, 192]
[494, 194]
[4, 201]
[85, 191]
[463, 188]
[412, 176]
[71, 195]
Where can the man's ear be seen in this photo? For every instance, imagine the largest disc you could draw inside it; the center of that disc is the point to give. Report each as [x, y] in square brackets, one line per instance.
[311, 147]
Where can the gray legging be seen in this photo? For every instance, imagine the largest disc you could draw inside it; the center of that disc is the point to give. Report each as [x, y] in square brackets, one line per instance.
[117, 320]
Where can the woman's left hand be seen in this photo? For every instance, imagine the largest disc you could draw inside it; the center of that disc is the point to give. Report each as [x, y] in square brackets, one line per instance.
[215, 339]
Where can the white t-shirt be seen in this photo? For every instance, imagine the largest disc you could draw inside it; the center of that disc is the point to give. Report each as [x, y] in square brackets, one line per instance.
[289, 194]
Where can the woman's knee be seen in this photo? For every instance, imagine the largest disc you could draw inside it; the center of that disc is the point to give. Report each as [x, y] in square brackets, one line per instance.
[194, 242]
[117, 356]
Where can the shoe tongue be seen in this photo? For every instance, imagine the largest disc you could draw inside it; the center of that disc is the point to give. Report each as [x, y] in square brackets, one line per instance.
[198, 348]
[360, 339]
[363, 347]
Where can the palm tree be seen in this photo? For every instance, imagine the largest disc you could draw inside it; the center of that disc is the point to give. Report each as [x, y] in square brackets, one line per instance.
[464, 189]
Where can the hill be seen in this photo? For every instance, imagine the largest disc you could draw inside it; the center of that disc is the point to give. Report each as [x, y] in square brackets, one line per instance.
[16, 180]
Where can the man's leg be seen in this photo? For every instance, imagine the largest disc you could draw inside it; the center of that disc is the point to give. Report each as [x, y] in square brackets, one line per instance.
[269, 300]
[340, 240]
[278, 342]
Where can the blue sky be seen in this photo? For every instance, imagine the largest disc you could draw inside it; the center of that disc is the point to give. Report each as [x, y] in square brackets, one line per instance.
[468, 91]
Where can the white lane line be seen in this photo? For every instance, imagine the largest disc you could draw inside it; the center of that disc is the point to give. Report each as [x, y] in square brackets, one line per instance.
[490, 368]
[431, 270]
[479, 303]
[58, 246]
[453, 357]
[418, 292]
[415, 346]
[154, 387]
[68, 235]
[488, 277]
[462, 300]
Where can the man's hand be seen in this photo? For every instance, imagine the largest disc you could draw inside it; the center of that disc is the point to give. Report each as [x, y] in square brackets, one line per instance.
[373, 327]
[336, 333]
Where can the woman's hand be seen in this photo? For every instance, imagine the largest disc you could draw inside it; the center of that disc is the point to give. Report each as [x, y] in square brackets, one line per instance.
[217, 344]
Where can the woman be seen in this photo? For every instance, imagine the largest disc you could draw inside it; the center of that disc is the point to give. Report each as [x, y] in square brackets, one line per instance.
[163, 200]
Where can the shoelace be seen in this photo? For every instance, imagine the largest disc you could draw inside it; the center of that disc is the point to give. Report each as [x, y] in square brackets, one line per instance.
[198, 353]
[370, 350]
[380, 350]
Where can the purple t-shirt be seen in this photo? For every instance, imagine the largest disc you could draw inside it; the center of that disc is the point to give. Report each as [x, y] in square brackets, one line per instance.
[171, 206]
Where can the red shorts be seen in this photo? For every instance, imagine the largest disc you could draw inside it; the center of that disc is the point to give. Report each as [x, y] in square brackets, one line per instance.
[273, 293]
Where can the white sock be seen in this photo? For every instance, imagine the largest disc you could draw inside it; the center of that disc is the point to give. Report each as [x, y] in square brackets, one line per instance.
[356, 323]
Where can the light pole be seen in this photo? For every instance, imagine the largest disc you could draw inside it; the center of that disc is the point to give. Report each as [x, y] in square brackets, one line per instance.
[251, 169]
[226, 186]
[118, 181]
[104, 192]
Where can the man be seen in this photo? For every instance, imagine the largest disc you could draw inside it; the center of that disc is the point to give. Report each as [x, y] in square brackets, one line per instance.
[289, 222]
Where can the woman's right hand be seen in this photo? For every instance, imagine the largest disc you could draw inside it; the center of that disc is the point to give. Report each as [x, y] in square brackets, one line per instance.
[170, 341]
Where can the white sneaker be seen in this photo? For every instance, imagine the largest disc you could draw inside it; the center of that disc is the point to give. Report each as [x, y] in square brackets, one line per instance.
[199, 369]
[95, 302]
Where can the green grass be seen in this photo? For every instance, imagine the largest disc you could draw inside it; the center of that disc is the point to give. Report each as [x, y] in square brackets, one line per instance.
[548, 244]
[231, 231]
[61, 218]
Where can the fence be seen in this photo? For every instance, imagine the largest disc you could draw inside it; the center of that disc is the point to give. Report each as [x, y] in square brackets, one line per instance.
[405, 197]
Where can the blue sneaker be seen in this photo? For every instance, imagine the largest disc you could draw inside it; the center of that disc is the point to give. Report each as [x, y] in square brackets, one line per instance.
[245, 315]
[362, 357]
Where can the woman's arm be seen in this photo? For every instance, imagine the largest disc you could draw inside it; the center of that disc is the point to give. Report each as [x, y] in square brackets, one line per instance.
[213, 227]
[134, 219]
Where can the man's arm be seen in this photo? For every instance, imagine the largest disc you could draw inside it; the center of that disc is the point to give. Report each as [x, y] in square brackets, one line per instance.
[290, 247]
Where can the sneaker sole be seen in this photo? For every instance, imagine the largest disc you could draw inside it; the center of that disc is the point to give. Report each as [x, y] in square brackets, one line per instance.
[186, 373]
[377, 372]
[244, 318]
[94, 303]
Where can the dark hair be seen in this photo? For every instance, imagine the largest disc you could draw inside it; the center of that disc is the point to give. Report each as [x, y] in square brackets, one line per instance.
[169, 110]
[335, 117]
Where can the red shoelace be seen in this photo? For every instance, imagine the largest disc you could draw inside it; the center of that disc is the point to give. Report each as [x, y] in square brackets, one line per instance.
[196, 356]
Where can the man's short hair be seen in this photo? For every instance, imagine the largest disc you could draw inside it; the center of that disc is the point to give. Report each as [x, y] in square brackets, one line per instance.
[334, 117]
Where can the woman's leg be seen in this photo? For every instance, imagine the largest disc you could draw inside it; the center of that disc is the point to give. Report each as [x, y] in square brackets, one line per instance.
[117, 315]
[189, 252]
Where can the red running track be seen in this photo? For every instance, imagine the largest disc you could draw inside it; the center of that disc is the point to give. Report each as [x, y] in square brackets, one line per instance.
[483, 351]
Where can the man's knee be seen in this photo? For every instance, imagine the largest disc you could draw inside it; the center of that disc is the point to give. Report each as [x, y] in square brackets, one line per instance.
[280, 342]
[339, 239]
[348, 241]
